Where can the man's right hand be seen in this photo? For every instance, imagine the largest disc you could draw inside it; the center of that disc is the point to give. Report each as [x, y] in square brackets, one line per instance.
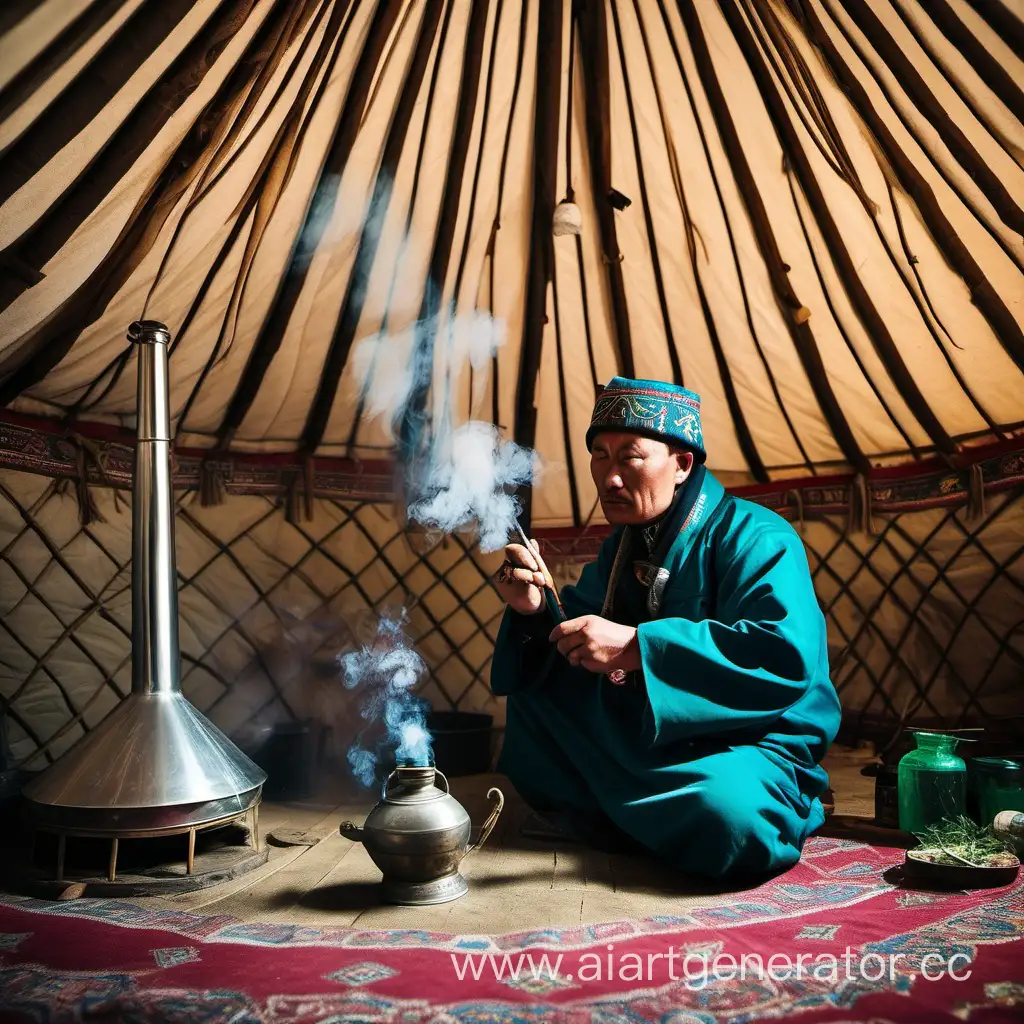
[520, 581]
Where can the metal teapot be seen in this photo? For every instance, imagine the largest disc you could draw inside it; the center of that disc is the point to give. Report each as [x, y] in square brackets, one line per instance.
[418, 835]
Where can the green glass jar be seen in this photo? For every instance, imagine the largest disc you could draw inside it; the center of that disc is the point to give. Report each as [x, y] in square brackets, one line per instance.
[932, 782]
[996, 784]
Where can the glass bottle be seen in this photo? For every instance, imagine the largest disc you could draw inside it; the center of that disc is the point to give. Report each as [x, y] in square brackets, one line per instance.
[994, 784]
[932, 782]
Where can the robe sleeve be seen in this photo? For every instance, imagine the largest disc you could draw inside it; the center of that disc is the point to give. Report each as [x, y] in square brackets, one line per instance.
[743, 669]
[523, 656]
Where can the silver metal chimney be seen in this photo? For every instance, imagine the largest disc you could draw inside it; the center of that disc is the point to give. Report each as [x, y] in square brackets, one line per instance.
[155, 765]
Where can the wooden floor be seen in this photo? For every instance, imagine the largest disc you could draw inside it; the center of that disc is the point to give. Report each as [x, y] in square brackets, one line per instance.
[514, 883]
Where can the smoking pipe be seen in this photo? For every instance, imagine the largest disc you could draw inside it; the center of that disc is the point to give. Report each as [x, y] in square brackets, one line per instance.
[551, 598]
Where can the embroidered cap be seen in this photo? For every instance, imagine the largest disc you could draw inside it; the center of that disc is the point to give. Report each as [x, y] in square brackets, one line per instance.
[651, 407]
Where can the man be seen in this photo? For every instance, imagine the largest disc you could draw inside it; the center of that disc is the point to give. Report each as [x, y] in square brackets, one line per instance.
[685, 705]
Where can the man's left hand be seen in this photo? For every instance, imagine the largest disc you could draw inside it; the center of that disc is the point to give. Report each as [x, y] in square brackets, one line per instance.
[597, 644]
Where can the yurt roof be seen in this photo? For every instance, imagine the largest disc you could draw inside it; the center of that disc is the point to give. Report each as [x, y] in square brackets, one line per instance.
[807, 211]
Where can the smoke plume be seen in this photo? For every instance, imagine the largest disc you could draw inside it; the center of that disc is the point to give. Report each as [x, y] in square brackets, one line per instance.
[456, 478]
[386, 367]
[383, 673]
[466, 485]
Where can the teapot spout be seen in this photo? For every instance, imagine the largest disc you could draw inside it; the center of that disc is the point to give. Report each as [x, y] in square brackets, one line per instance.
[492, 820]
[352, 831]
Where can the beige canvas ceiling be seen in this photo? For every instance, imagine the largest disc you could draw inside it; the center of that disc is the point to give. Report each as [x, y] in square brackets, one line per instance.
[823, 239]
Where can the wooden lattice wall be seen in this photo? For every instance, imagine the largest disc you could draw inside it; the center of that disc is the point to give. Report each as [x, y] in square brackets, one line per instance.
[925, 610]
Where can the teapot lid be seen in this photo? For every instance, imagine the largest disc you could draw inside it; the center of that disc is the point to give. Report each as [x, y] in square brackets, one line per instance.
[411, 802]
[412, 783]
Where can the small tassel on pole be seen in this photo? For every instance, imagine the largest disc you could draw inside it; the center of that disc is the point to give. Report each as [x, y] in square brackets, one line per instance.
[976, 494]
[299, 499]
[88, 511]
[291, 500]
[309, 486]
[860, 520]
[89, 456]
[798, 495]
[212, 486]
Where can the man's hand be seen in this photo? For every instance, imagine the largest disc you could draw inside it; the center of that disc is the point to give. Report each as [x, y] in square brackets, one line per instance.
[598, 644]
[520, 581]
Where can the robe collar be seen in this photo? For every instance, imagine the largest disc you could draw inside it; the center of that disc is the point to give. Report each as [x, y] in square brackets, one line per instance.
[678, 550]
[711, 496]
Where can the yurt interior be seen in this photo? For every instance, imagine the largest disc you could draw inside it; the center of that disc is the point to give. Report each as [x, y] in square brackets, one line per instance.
[511, 510]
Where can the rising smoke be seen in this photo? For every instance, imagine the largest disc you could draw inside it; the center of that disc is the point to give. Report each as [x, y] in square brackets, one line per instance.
[462, 477]
[383, 673]
[384, 363]
[467, 485]
[457, 478]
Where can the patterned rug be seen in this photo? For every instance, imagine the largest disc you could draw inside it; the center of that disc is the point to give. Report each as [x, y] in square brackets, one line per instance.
[832, 940]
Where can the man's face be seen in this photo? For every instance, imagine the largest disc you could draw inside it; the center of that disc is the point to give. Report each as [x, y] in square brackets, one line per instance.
[636, 476]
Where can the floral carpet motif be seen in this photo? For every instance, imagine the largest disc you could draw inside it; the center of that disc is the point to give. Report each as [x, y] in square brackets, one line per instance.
[832, 940]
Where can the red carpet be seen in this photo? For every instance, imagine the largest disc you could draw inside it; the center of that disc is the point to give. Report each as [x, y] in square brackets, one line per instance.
[848, 946]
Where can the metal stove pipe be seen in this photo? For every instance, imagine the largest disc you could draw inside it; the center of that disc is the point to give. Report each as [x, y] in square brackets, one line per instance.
[156, 662]
[154, 763]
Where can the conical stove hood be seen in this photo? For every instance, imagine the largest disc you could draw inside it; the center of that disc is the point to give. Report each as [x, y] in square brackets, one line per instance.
[155, 762]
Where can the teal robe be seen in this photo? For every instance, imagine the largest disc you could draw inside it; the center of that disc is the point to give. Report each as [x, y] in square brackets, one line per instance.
[711, 761]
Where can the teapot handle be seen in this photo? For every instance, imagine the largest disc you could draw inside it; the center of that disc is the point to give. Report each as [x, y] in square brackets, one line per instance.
[492, 819]
[384, 791]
